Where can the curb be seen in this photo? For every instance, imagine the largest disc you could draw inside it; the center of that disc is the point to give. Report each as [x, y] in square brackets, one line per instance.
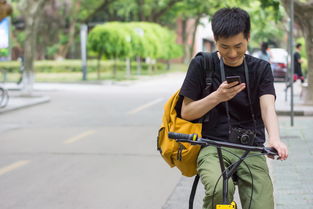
[32, 102]
[296, 113]
[288, 113]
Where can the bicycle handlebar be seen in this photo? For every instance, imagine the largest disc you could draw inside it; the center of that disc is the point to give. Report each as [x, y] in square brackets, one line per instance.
[193, 139]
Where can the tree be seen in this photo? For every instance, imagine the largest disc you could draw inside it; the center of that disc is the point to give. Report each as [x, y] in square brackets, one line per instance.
[5, 9]
[268, 25]
[111, 41]
[77, 12]
[116, 40]
[32, 11]
[134, 10]
[303, 16]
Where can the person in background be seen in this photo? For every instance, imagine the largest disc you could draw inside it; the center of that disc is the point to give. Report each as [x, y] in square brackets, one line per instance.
[297, 64]
[264, 53]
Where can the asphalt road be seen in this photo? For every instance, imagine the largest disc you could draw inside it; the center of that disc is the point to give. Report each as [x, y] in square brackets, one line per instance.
[92, 146]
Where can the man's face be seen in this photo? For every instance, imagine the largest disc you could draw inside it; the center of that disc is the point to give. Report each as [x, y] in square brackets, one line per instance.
[232, 49]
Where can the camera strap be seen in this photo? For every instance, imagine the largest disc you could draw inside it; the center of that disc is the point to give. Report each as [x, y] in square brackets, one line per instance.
[248, 91]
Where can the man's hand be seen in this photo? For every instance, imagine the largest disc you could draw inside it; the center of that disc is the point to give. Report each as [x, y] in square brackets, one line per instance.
[227, 91]
[280, 147]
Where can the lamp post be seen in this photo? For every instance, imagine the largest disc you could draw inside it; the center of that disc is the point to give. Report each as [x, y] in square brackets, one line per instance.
[83, 42]
[291, 45]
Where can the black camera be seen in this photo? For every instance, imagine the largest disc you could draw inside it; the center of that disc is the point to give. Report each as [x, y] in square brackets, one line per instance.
[241, 136]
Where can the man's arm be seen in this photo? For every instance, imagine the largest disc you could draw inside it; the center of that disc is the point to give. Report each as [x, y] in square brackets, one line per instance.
[192, 110]
[269, 117]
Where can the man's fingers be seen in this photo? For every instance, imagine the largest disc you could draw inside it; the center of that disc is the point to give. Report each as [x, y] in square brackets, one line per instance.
[232, 84]
[282, 152]
[239, 88]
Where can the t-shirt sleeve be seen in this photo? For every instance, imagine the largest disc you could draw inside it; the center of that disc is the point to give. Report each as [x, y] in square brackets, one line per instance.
[194, 80]
[266, 82]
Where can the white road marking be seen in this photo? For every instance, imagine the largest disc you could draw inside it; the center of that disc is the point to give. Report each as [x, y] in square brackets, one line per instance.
[79, 137]
[13, 166]
[142, 107]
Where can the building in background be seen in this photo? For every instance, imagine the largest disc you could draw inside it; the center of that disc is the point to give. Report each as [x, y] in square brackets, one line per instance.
[202, 35]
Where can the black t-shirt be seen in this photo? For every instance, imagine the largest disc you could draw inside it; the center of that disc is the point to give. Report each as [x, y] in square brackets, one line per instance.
[261, 83]
[297, 64]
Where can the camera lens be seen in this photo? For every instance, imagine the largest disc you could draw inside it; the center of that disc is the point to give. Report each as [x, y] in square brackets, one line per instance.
[244, 139]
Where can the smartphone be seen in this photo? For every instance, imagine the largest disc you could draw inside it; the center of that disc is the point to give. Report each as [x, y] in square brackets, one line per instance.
[231, 79]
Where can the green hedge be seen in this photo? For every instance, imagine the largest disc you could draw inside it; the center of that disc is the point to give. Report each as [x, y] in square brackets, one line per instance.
[131, 39]
[48, 66]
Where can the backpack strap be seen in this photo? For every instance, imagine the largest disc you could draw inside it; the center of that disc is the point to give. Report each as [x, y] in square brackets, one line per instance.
[208, 70]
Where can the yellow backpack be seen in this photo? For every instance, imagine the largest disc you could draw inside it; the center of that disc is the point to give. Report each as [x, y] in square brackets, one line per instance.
[182, 155]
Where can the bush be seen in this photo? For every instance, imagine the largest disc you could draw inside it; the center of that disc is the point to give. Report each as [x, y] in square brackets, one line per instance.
[4, 52]
[116, 40]
[50, 66]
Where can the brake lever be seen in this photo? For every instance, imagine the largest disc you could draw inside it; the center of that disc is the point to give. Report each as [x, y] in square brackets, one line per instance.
[271, 153]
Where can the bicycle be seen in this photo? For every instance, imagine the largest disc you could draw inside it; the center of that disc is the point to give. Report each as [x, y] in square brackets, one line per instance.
[226, 173]
[4, 97]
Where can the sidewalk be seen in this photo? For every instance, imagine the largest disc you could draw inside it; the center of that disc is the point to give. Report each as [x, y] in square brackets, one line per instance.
[18, 101]
[293, 181]
[283, 101]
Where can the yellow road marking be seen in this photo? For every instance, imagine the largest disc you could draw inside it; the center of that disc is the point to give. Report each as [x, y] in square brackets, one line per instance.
[13, 166]
[142, 107]
[79, 137]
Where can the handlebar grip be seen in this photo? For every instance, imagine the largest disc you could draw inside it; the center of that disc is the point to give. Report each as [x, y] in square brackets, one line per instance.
[192, 137]
[271, 151]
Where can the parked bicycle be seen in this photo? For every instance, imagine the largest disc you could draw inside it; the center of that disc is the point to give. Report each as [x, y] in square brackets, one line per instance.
[226, 172]
[4, 97]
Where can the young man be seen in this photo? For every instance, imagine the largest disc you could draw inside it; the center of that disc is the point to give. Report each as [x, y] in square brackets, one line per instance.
[231, 28]
[297, 66]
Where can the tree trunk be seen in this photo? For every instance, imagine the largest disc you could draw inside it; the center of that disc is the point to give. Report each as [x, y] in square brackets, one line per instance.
[141, 13]
[98, 66]
[115, 68]
[303, 16]
[63, 50]
[185, 41]
[194, 33]
[128, 67]
[138, 65]
[72, 32]
[32, 11]
[29, 53]
[168, 64]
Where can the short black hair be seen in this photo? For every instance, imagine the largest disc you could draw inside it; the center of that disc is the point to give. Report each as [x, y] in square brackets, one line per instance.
[298, 45]
[229, 22]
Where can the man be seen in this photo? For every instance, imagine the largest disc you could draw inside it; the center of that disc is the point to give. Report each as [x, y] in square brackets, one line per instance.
[264, 53]
[231, 29]
[297, 66]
